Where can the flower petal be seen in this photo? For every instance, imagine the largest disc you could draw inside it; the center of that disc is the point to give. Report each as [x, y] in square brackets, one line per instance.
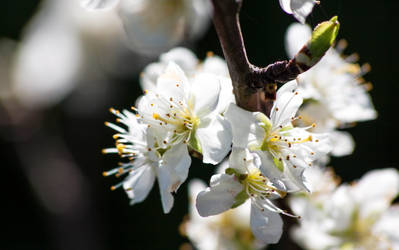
[205, 93]
[239, 159]
[220, 196]
[243, 124]
[287, 103]
[173, 83]
[148, 79]
[375, 191]
[302, 8]
[152, 28]
[286, 6]
[172, 173]
[215, 140]
[342, 143]
[296, 37]
[226, 95]
[139, 183]
[267, 226]
[269, 169]
[183, 57]
[166, 197]
[215, 65]
[387, 225]
[98, 4]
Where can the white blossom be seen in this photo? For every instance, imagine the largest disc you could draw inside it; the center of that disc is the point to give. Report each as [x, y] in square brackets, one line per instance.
[191, 66]
[300, 9]
[285, 151]
[334, 90]
[144, 162]
[243, 181]
[357, 216]
[153, 26]
[185, 112]
[226, 231]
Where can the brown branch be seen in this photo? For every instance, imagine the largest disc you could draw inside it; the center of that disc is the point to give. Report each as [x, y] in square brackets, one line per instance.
[254, 88]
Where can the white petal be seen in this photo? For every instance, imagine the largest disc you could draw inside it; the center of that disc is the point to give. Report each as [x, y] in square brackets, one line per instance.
[342, 143]
[296, 174]
[387, 225]
[148, 79]
[239, 159]
[98, 4]
[215, 140]
[152, 28]
[194, 188]
[286, 6]
[221, 168]
[302, 8]
[205, 93]
[269, 169]
[320, 179]
[139, 183]
[215, 65]
[375, 190]
[177, 161]
[310, 236]
[172, 173]
[266, 225]
[340, 207]
[243, 124]
[220, 196]
[166, 197]
[296, 37]
[287, 103]
[173, 83]
[183, 57]
[226, 95]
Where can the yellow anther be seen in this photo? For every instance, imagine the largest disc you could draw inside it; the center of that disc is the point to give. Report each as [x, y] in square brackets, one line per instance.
[155, 116]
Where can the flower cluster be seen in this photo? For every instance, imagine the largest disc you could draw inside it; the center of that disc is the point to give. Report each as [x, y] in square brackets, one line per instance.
[355, 216]
[176, 116]
[334, 91]
[188, 108]
[194, 112]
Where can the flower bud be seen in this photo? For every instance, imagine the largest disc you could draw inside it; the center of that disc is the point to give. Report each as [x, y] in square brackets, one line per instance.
[323, 37]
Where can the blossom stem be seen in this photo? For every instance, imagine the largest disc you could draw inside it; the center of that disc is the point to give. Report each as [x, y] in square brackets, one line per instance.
[254, 87]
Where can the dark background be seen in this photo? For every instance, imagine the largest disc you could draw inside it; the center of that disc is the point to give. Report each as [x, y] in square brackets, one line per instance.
[101, 219]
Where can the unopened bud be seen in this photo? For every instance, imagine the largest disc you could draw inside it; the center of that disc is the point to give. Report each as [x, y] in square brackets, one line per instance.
[323, 37]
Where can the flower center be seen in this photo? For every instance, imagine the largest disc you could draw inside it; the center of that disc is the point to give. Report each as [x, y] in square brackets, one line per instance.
[256, 185]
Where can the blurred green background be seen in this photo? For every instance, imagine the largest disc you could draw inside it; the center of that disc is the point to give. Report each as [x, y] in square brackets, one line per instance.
[103, 219]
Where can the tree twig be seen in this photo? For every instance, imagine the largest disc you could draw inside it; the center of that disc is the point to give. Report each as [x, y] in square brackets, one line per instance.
[254, 87]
